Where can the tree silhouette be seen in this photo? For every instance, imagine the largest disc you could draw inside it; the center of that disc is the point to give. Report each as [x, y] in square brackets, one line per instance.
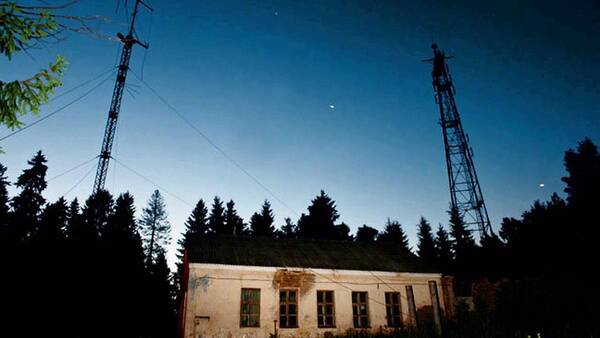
[53, 223]
[234, 224]
[196, 226]
[162, 321]
[155, 227]
[321, 218]
[443, 249]
[463, 243]
[394, 235]
[366, 234]
[289, 229]
[96, 213]
[583, 182]
[426, 244]
[4, 204]
[216, 220]
[262, 224]
[28, 204]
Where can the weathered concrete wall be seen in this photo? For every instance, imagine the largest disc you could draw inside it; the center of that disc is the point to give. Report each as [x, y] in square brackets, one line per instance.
[214, 296]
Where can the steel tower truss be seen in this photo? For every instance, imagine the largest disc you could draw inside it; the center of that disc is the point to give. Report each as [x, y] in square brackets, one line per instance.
[465, 191]
[115, 104]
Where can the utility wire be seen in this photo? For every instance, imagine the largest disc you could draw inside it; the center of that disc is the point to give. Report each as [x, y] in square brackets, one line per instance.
[72, 169]
[45, 117]
[214, 145]
[112, 69]
[80, 180]
[152, 182]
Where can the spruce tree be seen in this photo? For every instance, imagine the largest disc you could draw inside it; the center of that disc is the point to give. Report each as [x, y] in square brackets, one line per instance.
[321, 218]
[216, 220]
[27, 206]
[366, 234]
[261, 224]
[232, 220]
[426, 245]
[463, 243]
[96, 213]
[393, 235]
[196, 226]
[443, 249]
[154, 227]
[122, 252]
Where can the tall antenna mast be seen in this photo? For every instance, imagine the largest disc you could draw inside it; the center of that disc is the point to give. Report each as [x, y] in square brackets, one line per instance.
[465, 192]
[115, 105]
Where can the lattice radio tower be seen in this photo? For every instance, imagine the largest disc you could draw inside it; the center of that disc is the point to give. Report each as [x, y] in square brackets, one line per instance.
[465, 192]
[115, 105]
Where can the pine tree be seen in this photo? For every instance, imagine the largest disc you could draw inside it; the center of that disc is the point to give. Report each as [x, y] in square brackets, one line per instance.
[155, 227]
[289, 229]
[321, 218]
[261, 224]
[426, 245]
[394, 235]
[28, 204]
[216, 220]
[366, 234]
[443, 249]
[232, 220]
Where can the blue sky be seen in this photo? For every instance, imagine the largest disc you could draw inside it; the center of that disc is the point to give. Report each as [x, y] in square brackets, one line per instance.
[259, 77]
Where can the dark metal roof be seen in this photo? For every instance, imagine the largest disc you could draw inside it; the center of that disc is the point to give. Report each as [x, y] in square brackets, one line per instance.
[303, 253]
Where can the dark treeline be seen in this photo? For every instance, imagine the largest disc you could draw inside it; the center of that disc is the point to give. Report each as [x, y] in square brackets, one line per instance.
[97, 270]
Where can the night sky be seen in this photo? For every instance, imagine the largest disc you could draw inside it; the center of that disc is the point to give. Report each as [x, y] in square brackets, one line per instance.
[324, 95]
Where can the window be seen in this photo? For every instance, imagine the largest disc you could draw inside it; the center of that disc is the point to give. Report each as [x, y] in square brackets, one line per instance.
[392, 309]
[288, 308]
[360, 309]
[325, 309]
[250, 308]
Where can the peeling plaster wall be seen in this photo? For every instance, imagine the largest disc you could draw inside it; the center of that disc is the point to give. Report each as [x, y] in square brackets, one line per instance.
[214, 295]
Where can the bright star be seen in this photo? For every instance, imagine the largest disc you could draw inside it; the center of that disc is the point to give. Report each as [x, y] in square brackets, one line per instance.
[541, 185]
[331, 106]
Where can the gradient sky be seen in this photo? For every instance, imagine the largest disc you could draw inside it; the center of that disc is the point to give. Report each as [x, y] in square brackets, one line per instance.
[259, 77]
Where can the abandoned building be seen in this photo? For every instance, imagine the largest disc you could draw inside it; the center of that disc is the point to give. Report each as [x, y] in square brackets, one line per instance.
[256, 287]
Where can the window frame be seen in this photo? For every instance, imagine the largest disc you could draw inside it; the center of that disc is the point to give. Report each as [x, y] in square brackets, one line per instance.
[358, 318]
[323, 304]
[249, 303]
[396, 318]
[287, 304]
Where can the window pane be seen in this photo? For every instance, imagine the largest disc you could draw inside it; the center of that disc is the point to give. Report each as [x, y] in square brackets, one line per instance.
[329, 309]
[292, 321]
[292, 309]
[292, 296]
[329, 296]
